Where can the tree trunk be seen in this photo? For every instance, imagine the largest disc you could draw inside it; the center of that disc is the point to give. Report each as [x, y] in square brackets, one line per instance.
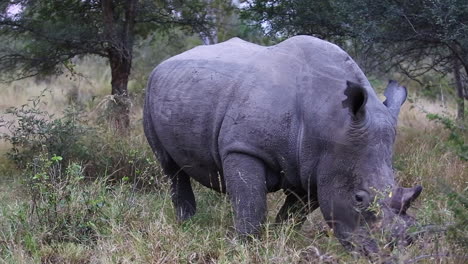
[459, 85]
[120, 108]
[118, 30]
[210, 35]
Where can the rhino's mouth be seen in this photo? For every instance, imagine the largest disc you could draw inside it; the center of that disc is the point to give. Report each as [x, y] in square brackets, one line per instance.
[360, 241]
[369, 236]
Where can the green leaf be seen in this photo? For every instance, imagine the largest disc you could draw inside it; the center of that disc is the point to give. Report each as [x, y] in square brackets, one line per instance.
[56, 158]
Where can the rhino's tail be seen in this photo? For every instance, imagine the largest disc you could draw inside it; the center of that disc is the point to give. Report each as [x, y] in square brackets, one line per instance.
[149, 128]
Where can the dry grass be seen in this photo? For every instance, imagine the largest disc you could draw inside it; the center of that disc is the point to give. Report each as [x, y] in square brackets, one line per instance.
[148, 232]
[421, 155]
[91, 80]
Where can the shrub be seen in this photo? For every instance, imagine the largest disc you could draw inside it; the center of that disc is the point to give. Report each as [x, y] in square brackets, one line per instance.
[456, 140]
[60, 208]
[33, 131]
[458, 205]
[128, 159]
[61, 211]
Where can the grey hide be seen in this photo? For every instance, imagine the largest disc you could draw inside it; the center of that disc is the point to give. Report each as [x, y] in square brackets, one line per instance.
[299, 116]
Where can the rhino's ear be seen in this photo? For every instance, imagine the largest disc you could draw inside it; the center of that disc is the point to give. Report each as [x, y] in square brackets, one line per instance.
[356, 99]
[395, 97]
[403, 197]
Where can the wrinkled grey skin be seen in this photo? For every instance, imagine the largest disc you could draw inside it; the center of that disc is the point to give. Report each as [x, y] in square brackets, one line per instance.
[298, 116]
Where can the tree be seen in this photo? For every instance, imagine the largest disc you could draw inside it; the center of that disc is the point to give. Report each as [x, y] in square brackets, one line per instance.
[227, 23]
[42, 36]
[417, 36]
[297, 17]
[218, 12]
[414, 37]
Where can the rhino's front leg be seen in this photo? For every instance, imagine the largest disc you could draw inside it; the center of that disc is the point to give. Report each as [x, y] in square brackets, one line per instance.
[246, 187]
[297, 206]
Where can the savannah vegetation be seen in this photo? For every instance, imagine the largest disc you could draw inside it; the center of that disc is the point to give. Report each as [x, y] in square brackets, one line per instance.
[79, 184]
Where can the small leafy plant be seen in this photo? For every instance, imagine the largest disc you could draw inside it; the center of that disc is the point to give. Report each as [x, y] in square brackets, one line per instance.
[458, 205]
[32, 131]
[59, 206]
[456, 140]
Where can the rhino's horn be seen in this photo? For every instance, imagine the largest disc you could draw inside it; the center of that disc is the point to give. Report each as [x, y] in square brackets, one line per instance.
[395, 97]
[403, 197]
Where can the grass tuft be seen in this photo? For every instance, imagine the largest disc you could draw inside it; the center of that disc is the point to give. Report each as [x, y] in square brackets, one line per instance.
[113, 221]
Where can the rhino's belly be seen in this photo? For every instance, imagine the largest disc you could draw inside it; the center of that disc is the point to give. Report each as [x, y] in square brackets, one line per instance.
[194, 159]
[188, 113]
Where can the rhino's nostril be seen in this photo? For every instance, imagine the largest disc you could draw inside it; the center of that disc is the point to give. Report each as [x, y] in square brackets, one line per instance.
[361, 197]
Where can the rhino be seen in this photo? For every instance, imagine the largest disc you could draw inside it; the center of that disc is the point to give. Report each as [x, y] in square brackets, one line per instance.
[300, 117]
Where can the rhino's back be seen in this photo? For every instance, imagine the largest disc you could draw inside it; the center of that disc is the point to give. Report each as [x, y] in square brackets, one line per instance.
[235, 94]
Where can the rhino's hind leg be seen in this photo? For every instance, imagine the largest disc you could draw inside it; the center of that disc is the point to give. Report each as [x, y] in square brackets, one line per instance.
[246, 187]
[181, 189]
[295, 206]
[182, 196]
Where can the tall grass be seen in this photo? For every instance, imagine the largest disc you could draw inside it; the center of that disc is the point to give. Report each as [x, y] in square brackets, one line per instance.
[138, 226]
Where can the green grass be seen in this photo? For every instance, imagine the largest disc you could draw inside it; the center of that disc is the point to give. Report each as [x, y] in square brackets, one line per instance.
[140, 227]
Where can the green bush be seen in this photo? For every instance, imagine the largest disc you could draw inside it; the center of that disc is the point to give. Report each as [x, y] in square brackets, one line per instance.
[128, 159]
[458, 205]
[33, 131]
[61, 208]
[456, 140]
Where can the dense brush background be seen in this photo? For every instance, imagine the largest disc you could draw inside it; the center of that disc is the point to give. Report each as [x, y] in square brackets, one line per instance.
[72, 193]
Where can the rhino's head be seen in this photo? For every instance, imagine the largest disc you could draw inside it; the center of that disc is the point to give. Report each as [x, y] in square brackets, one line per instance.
[356, 187]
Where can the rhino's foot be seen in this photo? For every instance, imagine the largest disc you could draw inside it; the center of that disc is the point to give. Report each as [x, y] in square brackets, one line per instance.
[184, 212]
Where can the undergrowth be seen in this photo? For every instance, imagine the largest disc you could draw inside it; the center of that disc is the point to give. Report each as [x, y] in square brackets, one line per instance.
[31, 130]
[457, 134]
[83, 204]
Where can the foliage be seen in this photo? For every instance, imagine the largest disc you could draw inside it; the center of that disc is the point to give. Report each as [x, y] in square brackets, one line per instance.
[437, 87]
[44, 36]
[33, 131]
[61, 208]
[229, 23]
[458, 204]
[54, 201]
[288, 18]
[456, 140]
[130, 160]
[157, 47]
[413, 37]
